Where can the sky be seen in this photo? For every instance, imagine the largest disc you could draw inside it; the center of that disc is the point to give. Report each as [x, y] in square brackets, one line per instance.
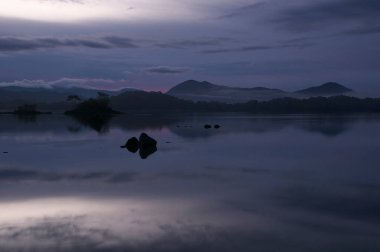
[154, 45]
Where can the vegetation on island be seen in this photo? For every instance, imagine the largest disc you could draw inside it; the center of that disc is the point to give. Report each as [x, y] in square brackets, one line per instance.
[93, 107]
[94, 112]
[28, 109]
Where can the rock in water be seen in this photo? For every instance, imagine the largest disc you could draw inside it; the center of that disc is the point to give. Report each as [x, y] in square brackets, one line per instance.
[132, 145]
[208, 126]
[146, 141]
[145, 144]
[216, 126]
[148, 146]
[147, 151]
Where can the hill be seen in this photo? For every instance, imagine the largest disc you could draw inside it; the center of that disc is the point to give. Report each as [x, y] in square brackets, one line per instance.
[205, 91]
[327, 89]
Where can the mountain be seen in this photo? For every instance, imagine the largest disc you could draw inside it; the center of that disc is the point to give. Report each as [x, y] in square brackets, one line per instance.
[192, 86]
[205, 91]
[181, 96]
[327, 89]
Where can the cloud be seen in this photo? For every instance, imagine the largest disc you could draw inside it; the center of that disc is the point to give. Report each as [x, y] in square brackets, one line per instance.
[362, 30]
[67, 233]
[69, 11]
[27, 175]
[68, 83]
[64, 1]
[166, 70]
[244, 10]
[296, 44]
[120, 42]
[12, 44]
[329, 13]
[79, 233]
[64, 11]
[190, 43]
[19, 175]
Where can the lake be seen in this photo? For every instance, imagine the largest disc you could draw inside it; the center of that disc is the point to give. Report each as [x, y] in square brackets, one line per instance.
[259, 183]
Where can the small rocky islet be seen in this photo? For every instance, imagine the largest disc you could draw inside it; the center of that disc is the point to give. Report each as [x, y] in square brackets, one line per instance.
[145, 145]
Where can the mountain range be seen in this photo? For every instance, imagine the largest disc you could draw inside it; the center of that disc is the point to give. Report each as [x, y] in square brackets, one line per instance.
[191, 90]
[206, 91]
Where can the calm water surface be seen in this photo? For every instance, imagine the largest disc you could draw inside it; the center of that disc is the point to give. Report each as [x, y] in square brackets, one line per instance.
[260, 183]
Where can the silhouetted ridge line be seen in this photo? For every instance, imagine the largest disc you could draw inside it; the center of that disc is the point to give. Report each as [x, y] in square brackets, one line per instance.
[152, 101]
[205, 91]
[328, 88]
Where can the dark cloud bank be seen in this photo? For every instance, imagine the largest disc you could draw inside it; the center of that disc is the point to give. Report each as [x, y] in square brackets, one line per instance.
[11, 44]
[362, 14]
[166, 70]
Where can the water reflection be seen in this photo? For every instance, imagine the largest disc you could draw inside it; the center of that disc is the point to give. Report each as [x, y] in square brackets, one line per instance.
[187, 126]
[97, 123]
[27, 118]
[273, 183]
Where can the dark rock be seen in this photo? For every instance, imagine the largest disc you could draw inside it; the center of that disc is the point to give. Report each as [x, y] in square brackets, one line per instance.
[207, 126]
[148, 146]
[147, 151]
[132, 145]
[146, 141]
[217, 126]
[145, 145]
